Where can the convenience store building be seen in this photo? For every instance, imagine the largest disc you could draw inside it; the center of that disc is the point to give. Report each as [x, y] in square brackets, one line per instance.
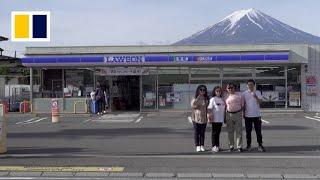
[164, 77]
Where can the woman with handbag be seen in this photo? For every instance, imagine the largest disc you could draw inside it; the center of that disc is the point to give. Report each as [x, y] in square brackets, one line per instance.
[199, 116]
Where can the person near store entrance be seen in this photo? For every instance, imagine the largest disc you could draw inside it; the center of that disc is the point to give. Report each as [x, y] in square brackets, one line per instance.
[234, 108]
[252, 115]
[199, 116]
[99, 96]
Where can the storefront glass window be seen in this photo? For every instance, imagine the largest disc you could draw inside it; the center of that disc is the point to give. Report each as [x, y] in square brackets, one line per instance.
[205, 72]
[78, 82]
[149, 89]
[237, 71]
[273, 92]
[173, 88]
[37, 83]
[52, 83]
[294, 86]
[269, 71]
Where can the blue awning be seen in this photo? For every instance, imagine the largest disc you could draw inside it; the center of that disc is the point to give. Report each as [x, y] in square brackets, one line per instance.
[165, 59]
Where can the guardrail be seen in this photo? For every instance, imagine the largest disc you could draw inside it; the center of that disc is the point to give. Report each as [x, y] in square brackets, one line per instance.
[78, 102]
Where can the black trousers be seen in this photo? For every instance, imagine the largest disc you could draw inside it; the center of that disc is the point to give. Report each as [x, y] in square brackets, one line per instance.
[256, 121]
[199, 133]
[100, 105]
[215, 136]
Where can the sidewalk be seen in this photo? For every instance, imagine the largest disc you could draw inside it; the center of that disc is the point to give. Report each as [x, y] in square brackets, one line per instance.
[149, 175]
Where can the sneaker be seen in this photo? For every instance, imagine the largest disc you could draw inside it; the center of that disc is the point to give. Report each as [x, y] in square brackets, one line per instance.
[240, 150]
[248, 148]
[261, 149]
[202, 148]
[215, 149]
[231, 149]
[104, 112]
[198, 149]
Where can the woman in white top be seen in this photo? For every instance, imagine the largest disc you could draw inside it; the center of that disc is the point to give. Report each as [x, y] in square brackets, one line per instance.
[216, 116]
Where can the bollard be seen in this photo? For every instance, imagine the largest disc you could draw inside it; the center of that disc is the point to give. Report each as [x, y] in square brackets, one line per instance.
[25, 106]
[54, 111]
[20, 107]
[3, 129]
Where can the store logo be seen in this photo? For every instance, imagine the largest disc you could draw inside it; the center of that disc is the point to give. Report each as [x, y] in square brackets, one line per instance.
[30, 26]
[124, 59]
[205, 58]
[181, 58]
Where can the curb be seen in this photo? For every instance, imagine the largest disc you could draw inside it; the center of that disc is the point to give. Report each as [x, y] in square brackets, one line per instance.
[169, 175]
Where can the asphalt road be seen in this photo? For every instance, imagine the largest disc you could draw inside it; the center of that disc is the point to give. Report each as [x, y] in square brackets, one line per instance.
[161, 143]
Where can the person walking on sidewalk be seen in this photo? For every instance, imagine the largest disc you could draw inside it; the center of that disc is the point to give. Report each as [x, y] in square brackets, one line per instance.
[199, 116]
[216, 115]
[234, 108]
[99, 98]
[252, 115]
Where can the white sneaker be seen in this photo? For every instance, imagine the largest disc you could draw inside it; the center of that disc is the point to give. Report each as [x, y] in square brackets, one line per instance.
[198, 149]
[202, 148]
[215, 149]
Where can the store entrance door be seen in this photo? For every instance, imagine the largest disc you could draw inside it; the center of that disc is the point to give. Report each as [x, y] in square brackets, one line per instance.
[125, 93]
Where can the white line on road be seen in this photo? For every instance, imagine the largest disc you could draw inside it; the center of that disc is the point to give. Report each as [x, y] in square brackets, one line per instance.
[139, 119]
[191, 156]
[41, 119]
[113, 121]
[312, 118]
[27, 120]
[267, 122]
[277, 113]
[317, 117]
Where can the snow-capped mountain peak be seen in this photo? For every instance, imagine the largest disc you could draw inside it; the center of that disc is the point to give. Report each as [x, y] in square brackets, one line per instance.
[249, 26]
[237, 15]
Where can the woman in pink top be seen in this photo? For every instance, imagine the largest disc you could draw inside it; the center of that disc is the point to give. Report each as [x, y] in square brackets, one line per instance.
[234, 108]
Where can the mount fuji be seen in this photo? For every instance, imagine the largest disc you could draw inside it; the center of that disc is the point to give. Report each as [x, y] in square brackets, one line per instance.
[249, 26]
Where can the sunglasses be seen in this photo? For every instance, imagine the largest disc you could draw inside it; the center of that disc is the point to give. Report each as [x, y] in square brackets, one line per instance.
[230, 87]
[202, 89]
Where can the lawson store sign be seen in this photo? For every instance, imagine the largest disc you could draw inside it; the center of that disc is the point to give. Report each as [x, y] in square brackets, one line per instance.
[213, 58]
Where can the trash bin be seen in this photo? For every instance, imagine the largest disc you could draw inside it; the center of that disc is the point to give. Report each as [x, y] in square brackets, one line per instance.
[94, 107]
[3, 129]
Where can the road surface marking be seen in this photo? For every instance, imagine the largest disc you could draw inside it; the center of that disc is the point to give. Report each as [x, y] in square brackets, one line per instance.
[190, 119]
[27, 120]
[267, 122]
[41, 119]
[113, 121]
[276, 113]
[61, 169]
[139, 119]
[317, 117]
[190, 156]
[312, 118]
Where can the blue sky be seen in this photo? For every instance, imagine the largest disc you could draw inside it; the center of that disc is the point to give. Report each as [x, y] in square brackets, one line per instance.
[133, 22]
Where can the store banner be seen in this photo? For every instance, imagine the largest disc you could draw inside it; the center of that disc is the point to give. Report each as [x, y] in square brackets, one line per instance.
[311, 83]
[270, 96]
[294, 99]
[122, 71]
[165, 58]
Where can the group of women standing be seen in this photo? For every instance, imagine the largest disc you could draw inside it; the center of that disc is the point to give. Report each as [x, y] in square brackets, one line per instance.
[229, 110]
